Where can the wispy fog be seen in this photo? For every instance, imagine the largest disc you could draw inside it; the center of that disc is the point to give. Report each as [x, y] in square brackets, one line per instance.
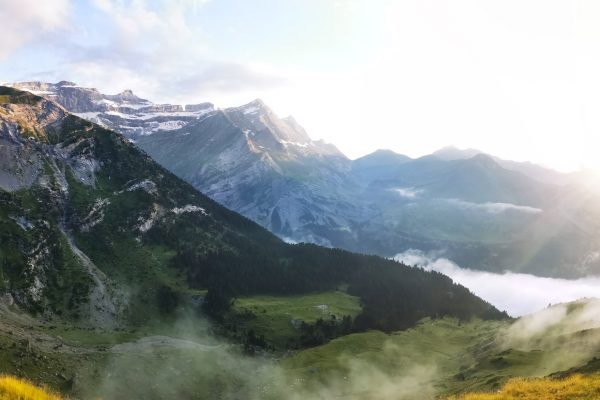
[517, 294]
[195, 364]
[493, 208]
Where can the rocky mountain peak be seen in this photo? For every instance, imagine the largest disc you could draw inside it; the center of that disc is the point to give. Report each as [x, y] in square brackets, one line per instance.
[256, 106]
[454, 153]
[66, 83]
[127, 96]
[381, 158]
[484, 161]
[291, 121]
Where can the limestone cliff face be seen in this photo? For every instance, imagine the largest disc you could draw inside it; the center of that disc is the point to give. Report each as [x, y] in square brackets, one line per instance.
[124, 112]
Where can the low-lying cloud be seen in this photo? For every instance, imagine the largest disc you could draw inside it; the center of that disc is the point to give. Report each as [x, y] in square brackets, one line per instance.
[409, 193]
[193, 363]
[518, 294]
[493, 208]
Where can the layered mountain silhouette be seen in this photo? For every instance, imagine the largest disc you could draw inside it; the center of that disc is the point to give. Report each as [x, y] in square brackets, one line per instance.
[481, 211]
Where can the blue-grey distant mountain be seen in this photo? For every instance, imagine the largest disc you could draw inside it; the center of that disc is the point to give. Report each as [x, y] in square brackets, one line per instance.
[477, 209]
[379, 165]
[532, 170]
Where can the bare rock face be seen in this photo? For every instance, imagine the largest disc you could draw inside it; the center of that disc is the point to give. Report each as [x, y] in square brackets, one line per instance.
[265, 167]
[24, 128]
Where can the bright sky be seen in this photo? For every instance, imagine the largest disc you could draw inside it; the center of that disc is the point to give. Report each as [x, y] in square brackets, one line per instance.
[516, 78]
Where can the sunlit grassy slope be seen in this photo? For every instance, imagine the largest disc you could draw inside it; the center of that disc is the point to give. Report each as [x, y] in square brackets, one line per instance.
[475, 356]
[575, 387]
[439, 345]
[12, 388]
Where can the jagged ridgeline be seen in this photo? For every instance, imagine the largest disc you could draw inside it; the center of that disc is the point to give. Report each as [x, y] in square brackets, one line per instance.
[93, 229]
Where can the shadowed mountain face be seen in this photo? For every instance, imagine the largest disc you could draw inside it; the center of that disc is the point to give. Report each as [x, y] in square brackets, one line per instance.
[478, 210]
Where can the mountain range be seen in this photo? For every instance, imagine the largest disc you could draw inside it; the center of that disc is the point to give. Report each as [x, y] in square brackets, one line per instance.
[94, 230]
[108, 258]
[481, 211]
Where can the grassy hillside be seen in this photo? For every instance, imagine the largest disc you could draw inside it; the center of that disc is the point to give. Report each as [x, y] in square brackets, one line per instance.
[278, 320]
[435, 358]
[440, 350]
[12, 388]
[448, 356]
[575, 387]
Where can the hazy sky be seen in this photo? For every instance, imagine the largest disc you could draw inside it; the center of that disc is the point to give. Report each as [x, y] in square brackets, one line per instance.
[517, 78]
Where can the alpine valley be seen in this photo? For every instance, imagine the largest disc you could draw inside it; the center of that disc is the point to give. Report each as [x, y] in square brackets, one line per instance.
[120, 280]
[480, 211]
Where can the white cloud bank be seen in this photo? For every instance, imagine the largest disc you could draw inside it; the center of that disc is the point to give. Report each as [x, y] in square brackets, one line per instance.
[493, 208]
[518, 294]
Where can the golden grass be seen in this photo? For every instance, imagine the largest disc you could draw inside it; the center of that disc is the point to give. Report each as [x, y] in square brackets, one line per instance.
[12, 388]
[575, 387]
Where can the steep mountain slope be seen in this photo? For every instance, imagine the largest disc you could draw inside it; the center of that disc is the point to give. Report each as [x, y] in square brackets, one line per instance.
[264, 167]
[93, 229]
[67, 181]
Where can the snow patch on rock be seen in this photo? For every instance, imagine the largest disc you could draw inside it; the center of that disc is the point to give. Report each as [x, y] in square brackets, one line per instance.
[188, 208]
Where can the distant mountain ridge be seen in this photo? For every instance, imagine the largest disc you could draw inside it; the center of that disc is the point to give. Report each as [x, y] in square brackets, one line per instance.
[534, 171]
[480, 211]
